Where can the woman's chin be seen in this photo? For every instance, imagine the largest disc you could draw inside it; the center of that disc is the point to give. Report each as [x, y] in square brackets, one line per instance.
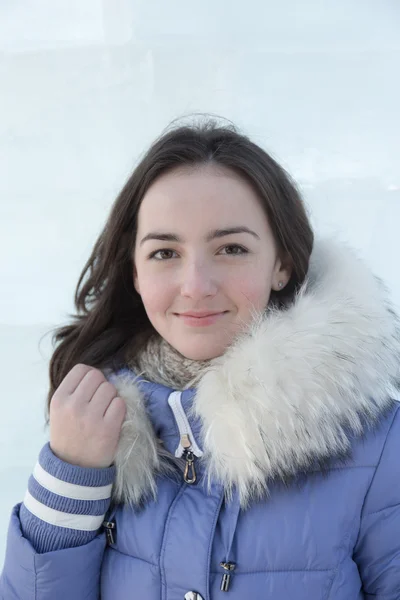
[200, 349]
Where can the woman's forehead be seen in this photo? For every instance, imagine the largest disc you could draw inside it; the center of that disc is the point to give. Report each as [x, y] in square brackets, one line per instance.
[199, 197]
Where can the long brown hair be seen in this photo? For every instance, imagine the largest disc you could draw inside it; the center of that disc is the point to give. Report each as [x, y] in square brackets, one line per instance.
[109, 312]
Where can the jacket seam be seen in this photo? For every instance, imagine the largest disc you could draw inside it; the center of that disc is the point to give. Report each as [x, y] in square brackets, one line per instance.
[237, 573]
[346, 468]
[362, 514]
[134, 557]
[34, 570]
[210, 544]
[381, 596]
[376, 512]
[335, 571]
[333, 577]
[376, 469]
[162, 553]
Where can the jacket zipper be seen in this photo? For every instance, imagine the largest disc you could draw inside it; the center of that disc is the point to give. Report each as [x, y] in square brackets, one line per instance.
[187, 447]
[189, 474]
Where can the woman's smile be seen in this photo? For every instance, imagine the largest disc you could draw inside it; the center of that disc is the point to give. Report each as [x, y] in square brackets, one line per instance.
[193, 319]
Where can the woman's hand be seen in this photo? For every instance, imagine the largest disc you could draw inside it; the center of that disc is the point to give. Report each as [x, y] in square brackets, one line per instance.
[86, 417]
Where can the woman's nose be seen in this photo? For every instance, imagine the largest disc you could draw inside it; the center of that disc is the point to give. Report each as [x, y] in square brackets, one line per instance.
[198, 281]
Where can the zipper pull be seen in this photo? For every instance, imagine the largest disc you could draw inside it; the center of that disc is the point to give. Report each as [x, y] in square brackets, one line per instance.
[190, 472]
[226, 577]
[110, 531]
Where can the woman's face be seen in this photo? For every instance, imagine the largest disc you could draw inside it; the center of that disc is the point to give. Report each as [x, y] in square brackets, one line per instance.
[205, 258]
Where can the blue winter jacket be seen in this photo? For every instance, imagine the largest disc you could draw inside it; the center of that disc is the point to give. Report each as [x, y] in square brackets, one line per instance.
[276, 477]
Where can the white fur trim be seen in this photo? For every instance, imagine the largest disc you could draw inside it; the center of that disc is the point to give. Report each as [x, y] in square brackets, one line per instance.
[139, 455]
[290, 392]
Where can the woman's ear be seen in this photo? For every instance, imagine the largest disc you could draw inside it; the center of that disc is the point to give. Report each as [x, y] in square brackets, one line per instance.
[282, 274]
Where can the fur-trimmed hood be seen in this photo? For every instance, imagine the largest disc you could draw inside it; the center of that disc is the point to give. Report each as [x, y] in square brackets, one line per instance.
[288, 395]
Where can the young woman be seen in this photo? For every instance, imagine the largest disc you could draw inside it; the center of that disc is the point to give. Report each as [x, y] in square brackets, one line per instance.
[221, 424]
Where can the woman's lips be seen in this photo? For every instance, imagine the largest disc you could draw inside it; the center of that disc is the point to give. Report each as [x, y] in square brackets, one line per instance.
[200, 320]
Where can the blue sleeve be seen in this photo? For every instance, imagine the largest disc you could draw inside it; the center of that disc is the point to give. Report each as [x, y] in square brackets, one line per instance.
[64, 505]
[55, 545]
[377, 552]
[59, 575]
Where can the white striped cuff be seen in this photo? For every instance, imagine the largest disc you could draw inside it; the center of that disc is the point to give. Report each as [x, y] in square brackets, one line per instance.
[62, 519]
[70, 490]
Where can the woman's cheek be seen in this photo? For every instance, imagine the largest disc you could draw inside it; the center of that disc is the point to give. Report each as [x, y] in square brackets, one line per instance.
[156, 293]
[255, 291]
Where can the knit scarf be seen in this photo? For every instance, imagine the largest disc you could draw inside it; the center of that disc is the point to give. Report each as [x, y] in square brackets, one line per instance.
[160, 362]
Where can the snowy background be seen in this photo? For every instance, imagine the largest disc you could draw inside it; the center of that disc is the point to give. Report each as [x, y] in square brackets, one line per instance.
[86, 86]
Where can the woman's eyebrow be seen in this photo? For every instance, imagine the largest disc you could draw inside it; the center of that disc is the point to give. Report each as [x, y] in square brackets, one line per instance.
[212, 235]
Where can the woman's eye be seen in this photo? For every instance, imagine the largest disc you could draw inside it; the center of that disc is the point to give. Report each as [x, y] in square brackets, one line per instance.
[234, 249]
[163, 254]
[168, 253]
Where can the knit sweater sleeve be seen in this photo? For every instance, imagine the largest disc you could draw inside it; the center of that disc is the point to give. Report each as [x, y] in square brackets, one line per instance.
[64, 505]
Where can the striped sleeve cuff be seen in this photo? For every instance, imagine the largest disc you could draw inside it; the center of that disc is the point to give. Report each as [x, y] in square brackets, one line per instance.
[64, 505]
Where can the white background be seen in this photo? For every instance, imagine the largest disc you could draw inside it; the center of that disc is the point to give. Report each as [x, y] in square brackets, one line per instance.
[85, 87]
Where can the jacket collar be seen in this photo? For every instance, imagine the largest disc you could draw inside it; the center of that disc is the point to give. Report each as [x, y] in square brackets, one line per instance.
[287, 396]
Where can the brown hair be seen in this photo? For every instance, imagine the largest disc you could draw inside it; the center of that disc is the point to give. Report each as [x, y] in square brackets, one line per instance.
[110, 313]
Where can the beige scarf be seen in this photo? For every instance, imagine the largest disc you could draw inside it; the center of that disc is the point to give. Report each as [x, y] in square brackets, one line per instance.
[159, 362]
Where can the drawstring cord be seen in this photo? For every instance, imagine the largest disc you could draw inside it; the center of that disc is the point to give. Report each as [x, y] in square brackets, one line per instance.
[232, 510]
